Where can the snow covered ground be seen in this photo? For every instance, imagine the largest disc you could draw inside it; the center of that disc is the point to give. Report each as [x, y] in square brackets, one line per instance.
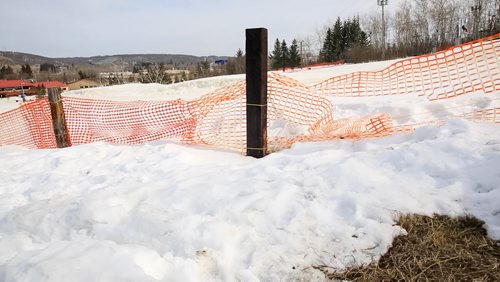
[168, 212]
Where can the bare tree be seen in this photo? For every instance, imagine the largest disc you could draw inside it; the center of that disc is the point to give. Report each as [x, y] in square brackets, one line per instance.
[372, 24]
[442, 21]
[154, 73]
[404, 25]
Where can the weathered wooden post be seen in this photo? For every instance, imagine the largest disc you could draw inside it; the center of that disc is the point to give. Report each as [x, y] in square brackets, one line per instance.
[58, 119]
[256, 80]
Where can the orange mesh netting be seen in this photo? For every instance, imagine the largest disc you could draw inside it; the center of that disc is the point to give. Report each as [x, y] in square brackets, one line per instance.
[219, 118]
[313, 66]
[462, 69]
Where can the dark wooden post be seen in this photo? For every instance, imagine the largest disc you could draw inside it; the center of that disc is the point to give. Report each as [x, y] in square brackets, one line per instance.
[58, 119]
[256, 79]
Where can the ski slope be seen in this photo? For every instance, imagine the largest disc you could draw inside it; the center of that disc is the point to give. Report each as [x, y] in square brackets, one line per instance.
[169, 212]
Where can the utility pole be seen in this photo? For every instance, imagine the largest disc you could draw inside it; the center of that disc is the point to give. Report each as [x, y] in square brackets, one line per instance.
[383, 3]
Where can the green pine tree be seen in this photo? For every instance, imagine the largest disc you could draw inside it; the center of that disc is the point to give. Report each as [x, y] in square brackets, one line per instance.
[294, 55]
[276, 56]
[336, 41]
[26, 69]
[326, 53]
[239, 54]
[285, 55]
[360, 38]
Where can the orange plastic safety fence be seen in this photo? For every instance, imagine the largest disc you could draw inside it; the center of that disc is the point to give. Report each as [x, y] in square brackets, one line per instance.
[296, 112]
[483, 115]
[29, 126]
[462, 69]
[312, 66]
[215, 119]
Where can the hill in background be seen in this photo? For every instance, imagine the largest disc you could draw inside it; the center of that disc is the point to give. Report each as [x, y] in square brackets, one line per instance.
[125, 61]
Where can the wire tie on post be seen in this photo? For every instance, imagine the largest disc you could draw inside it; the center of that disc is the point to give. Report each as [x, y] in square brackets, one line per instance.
[257, 149]
[257, 105]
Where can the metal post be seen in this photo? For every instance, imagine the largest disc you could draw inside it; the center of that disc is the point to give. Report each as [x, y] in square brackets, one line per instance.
[383, 3]
[58, 118]
[23, 95]
[256, 86]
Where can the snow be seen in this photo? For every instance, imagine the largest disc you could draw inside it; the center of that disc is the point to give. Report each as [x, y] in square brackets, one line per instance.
[169, 212]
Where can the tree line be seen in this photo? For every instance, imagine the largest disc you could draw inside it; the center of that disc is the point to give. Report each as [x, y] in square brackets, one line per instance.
[7, 72]
[283, 56]
[340, 38]
[422, 26]
[413, 27]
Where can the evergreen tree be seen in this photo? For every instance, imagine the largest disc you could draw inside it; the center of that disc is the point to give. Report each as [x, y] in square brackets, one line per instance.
[48, 67]
[352, 34]
[336, 41]
[285, 55]
[26, 70]
[341, 38]
[326, 53]
[82, 75]
[345, 37]
[294, 55]
[5, 72]
[276, 56]
[360, 37]
[239, 54]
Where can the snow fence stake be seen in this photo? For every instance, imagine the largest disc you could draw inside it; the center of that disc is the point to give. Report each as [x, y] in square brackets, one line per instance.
[58, 118]
[256, 87]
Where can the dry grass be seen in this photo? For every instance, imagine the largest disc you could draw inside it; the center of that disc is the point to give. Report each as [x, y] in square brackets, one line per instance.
[436, 249]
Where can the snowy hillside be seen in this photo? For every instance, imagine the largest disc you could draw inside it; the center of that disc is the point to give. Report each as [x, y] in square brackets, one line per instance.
[169, 212]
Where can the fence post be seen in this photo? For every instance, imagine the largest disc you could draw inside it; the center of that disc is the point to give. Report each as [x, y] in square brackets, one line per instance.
[256, 87]
[58, 119]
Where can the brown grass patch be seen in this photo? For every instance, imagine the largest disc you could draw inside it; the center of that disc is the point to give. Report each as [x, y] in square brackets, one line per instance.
[438, 249]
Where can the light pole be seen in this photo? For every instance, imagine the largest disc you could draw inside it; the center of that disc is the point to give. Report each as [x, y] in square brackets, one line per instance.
[383, 3]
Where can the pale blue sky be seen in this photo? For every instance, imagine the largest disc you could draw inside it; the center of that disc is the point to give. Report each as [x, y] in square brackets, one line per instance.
[62, 28]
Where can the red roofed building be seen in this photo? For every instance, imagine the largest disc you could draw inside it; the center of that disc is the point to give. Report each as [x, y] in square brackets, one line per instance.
[53, 84]
[14, 84]
[9, 88]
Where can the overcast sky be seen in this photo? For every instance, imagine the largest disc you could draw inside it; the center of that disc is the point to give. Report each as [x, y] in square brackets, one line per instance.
[68, 28]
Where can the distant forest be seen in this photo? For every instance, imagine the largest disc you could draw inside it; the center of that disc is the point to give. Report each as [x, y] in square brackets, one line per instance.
[415, 27]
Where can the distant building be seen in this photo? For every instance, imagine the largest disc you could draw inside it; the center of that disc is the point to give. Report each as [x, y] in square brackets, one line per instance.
[83, 83]
[10, 88]
[123, 74]
[220, 62]
[53, 84]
